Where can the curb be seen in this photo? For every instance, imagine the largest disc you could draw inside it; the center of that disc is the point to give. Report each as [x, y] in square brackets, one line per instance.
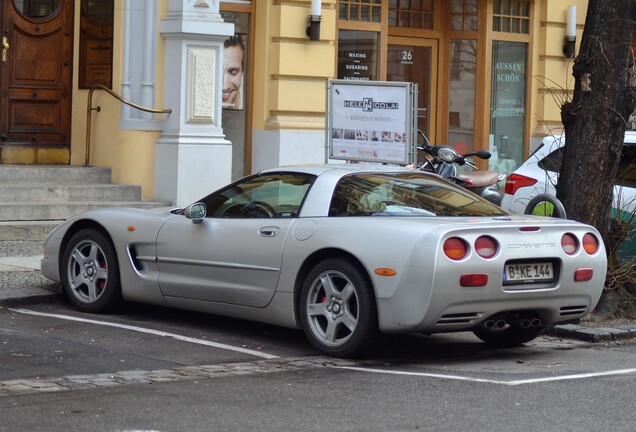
[592, 334]
[31, 300]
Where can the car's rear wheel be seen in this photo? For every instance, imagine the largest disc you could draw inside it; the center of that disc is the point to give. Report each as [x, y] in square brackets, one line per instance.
[90, 272]
[510, 336]
[337, 309]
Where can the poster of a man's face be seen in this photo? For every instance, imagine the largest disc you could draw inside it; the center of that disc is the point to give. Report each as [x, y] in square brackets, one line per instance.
[233, 71]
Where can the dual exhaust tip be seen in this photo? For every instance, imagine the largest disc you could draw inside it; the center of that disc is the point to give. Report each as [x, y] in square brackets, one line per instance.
[523, 322]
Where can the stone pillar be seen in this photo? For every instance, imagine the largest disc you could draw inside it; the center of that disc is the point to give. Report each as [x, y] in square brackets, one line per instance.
[192, 155]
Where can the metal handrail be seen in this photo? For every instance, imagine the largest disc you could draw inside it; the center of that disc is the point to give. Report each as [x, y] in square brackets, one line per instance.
[90, 109]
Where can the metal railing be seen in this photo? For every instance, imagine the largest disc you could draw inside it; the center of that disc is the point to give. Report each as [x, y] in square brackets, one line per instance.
[90, 110]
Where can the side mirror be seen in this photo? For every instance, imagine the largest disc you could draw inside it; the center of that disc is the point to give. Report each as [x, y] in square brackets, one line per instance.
[196, 212]
[483, 154]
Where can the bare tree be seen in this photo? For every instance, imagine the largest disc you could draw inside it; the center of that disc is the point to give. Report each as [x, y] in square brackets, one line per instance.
[596, 118]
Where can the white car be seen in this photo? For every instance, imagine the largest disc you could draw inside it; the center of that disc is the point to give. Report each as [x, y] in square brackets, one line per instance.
[538, 175]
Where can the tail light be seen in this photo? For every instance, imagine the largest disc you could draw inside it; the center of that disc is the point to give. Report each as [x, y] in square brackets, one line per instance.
[590, 243]
[486, 247]
[569, 243]
[516, 181]
[455, 248]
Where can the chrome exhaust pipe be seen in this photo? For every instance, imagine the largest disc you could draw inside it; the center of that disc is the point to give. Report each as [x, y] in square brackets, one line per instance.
[536, 322]
[522, 322]
[500, 324]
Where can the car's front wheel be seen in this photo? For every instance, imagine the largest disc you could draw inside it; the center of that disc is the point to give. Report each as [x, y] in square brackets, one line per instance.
[510, 336]
[337, 309]
[90, 272]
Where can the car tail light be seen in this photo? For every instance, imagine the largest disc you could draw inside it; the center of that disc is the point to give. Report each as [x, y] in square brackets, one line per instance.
[486, 247]
[473, 280]
[583, 274]
[590, 243]
[569, 244]
[516, 181]
[455, 248]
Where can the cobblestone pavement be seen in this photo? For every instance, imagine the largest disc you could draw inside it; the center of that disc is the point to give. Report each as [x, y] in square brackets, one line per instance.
[76, 382]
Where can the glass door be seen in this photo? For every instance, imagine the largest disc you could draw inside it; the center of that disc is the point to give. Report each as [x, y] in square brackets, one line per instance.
[414, 60]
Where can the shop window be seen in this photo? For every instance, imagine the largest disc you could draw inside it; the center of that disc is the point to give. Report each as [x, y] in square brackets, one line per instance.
[358, 55]
[511, 16]
[417, 14]
[360, 10]
[464, 15]
[508, 101]
[235, 89]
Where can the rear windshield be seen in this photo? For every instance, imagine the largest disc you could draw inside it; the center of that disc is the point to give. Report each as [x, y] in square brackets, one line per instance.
[405, 194]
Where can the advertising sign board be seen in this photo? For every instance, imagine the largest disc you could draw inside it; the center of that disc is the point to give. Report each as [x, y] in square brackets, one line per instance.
[371, 121]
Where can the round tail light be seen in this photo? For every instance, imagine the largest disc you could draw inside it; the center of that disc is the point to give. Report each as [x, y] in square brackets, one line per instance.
[590, 243]
[486, 247]
[569, 243]
[455, 248]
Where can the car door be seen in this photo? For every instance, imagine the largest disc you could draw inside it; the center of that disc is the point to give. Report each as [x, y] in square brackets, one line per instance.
[234, 255]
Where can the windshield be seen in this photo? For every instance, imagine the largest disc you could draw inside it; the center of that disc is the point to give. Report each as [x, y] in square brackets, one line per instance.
[406, 194]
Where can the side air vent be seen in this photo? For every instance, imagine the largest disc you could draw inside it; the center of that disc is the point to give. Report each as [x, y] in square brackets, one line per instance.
[464, 318]
[573, 310]
[132, 252]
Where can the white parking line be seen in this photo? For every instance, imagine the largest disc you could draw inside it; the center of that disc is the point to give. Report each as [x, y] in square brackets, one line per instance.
[482, 380]
[150, 331]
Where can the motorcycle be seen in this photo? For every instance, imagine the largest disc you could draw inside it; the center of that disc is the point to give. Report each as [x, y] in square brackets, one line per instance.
[443, 161]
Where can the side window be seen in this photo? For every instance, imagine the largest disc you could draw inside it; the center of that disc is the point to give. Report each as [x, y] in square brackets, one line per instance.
[262, 196]
[627, 167]
[552, 162]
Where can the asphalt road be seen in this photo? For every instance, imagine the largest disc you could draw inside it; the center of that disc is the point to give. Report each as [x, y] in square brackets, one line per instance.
[165, 370]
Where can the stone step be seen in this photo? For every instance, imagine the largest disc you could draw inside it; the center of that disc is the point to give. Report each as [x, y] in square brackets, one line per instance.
[54, 174]
[42, 211]
[60, 193]
[26, 230]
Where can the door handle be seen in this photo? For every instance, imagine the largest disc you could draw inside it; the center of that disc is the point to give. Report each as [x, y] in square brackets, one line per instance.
[5, 48]
[270, 231]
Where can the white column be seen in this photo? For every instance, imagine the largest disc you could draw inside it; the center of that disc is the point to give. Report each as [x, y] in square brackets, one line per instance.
[147, 83]
[192, 157]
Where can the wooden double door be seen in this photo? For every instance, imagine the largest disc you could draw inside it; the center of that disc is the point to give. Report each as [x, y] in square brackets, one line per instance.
[36, 81]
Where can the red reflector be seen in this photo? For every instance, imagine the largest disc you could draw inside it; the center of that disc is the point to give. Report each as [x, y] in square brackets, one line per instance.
[529, 229]
[590, 243]
[455, 248]
[473, 280]
[569, 244]
[515, 182]
[486, 247]
[584, 274]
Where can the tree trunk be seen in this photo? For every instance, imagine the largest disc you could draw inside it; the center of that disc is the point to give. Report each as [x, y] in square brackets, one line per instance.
[595, 120]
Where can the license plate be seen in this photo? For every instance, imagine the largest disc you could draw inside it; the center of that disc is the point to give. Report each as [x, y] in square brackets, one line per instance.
[528, 272]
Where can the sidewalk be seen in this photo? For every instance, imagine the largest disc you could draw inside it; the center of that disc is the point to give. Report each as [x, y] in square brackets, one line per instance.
[22, 284]
[20, 280]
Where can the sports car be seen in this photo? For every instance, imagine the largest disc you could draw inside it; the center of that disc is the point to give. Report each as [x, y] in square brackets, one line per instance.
[345, 252]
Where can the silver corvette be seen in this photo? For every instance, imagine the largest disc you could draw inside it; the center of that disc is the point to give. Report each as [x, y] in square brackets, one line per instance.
[344, 252]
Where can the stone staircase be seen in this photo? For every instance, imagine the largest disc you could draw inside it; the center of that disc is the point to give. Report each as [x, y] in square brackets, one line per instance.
[36, 198]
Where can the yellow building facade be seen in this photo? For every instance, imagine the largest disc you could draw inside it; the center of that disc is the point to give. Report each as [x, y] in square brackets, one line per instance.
[491, 74]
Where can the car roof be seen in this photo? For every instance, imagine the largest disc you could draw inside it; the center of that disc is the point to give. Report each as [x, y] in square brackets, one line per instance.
[630, 138]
